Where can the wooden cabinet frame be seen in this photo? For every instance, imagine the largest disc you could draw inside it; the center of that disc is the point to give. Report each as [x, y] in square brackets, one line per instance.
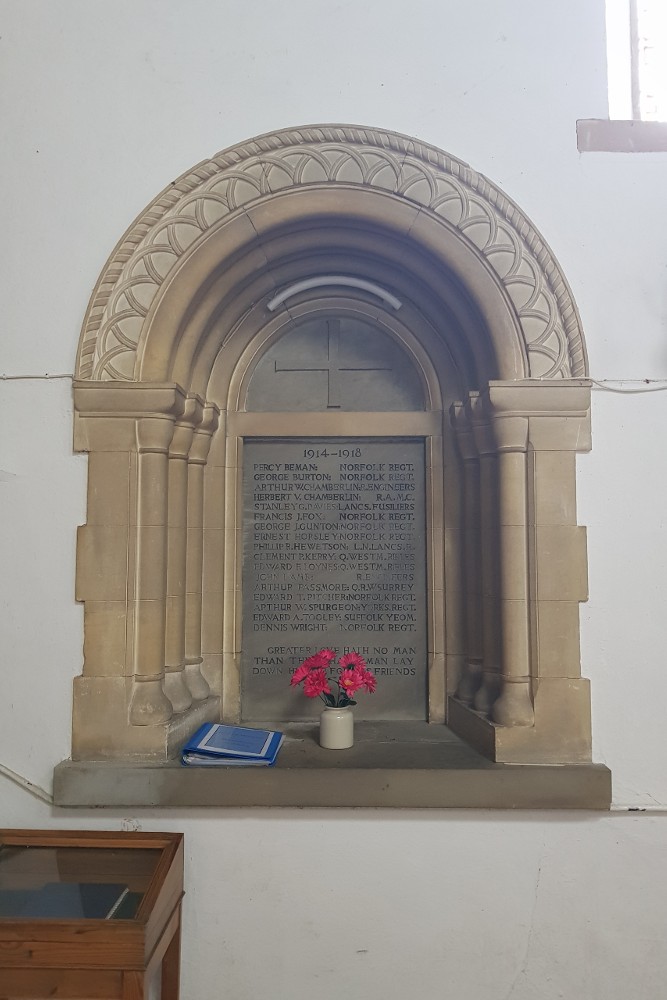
[98, 959]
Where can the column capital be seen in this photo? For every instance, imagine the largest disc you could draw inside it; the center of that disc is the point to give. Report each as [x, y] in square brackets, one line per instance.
[540, 397]
[185, 427]
[129, 399]
[201, 441]
[153, 435]
[106, 413]
[478, 414]
[510, 433]
[465, 440]
[557, 412]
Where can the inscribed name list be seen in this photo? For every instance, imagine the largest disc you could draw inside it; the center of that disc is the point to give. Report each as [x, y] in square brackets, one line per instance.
[334, 556]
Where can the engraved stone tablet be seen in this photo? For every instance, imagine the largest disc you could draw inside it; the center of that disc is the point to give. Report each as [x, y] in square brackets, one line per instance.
[335, 556]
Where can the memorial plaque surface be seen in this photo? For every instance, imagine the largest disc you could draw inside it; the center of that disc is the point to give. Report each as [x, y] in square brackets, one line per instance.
[334, 555]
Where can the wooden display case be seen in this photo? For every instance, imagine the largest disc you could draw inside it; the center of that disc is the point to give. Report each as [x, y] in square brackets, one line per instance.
[90, 915]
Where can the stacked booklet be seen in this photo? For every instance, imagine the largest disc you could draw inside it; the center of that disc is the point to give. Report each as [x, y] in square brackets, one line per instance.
[215, 743]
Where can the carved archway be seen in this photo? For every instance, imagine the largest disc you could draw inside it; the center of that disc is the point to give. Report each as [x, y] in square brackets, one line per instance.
[466, 208]
[191, 292]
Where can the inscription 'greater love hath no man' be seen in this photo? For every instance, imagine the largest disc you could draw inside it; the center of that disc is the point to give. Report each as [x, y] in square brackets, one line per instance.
[334, 555]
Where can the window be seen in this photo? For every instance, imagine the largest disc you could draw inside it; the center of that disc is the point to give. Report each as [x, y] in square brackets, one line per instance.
[637, 81]
[637, 59]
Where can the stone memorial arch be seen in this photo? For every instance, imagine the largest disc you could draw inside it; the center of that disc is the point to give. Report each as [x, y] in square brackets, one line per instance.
[394, 248]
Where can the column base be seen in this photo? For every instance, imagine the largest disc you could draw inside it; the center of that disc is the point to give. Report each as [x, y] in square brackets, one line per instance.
[194, 680]
[101, 729]
[513, 707]
[561, 734]
[470, 681]
[487, 692]
[176, 690]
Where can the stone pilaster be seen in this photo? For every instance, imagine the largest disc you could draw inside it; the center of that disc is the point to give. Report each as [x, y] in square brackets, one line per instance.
[487, 691]
[214, 560]
[513, 706]
[148, 703]
[444, 611]
[174, 679]
[197, 685]
[471, 677]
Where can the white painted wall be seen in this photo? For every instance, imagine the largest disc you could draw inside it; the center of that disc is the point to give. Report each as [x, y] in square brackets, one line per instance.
[104, 104]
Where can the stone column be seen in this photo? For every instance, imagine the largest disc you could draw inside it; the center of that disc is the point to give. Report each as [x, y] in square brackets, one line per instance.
[213, 576]
[514, 706]
[201, 443]
[445, 634]
[233, 542]
[148, 703]
[471, 676]
[487, 691]
[175, 686]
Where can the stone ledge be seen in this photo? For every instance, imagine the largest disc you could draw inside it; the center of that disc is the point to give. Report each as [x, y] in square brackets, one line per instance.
[392, 765]
[602, 135]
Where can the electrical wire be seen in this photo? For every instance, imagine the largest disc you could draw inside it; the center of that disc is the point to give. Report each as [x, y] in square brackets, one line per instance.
[639, 385]
[30, 378]
[28, 786]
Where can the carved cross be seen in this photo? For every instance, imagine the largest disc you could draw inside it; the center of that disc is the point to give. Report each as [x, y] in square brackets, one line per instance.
[332, 366]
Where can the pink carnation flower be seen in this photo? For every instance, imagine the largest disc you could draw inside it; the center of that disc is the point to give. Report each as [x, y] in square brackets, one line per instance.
[316, 683]
[352, 660]
[350, 681]
[313, 662]
[369, 681]
[299, 674]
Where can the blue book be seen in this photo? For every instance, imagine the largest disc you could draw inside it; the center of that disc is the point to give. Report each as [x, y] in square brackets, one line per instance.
[215, 743]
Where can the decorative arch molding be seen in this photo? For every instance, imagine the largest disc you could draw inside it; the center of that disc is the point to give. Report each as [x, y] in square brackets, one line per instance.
[344, 158]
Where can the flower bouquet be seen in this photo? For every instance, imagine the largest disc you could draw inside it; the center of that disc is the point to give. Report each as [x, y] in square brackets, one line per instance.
[336, 721]
[353, 676]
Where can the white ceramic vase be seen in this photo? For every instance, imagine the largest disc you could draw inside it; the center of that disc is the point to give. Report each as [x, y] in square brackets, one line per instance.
[337, 728]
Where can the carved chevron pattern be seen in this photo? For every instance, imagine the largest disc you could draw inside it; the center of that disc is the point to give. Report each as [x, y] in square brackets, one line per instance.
[244, 174]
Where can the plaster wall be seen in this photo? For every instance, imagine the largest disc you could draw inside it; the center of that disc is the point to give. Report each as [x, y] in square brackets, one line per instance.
[103, 105]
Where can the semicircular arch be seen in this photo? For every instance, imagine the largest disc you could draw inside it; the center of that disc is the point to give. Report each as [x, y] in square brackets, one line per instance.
[423, 350]
[436, 201]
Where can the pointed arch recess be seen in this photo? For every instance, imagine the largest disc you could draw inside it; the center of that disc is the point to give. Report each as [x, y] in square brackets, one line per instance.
[335, 157]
